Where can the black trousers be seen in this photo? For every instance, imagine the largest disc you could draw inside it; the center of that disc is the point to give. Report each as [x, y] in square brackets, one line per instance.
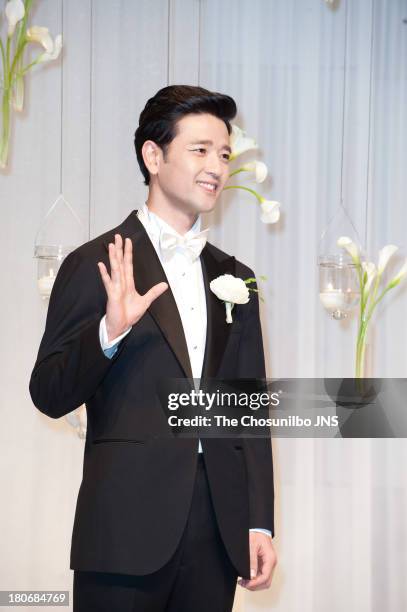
[198, 578]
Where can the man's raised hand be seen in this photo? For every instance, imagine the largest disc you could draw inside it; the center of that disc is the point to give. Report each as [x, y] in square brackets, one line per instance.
[124, 305]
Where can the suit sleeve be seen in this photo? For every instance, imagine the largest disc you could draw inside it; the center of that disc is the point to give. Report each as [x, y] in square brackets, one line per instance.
[71, 363]
[258, 451]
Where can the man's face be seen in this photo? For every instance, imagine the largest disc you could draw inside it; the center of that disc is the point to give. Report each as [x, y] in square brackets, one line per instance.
[196, 165]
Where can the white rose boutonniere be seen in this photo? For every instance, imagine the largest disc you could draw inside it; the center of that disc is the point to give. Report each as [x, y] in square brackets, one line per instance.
[232, 290]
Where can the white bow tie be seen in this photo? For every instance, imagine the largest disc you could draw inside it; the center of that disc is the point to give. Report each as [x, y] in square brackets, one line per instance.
[192, 246]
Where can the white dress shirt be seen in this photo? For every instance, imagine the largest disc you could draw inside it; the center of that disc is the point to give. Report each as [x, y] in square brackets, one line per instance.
[186, 281]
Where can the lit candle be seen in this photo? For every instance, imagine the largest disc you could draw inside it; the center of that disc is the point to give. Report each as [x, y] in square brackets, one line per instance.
[45, 284]
[338, 300]
[333, 299]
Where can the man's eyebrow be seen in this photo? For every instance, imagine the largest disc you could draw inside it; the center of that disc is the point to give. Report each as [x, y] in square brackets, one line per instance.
[209, 142]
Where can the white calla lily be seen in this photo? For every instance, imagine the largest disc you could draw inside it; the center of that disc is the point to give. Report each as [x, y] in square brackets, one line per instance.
[14, 11]
[54, 54]
[258, 168]
[41, 35]
[240, 143]
[399, 276]
[346, 243]
[270, 211]
[369, 275]
[14, 66]
[384, 256]
[370, 269]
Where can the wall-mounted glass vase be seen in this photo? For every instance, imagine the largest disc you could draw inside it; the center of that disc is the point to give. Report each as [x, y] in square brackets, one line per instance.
[60, 233]
[338, 281]
[338, 285]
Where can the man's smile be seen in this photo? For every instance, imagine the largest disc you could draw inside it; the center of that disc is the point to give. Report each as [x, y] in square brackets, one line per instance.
[208, 187]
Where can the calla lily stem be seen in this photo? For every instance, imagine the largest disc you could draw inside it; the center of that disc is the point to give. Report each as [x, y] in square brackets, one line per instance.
[237, 171]
[368, 293]
[364, 319]
[5, 127]
[256, 195]
[12, 51]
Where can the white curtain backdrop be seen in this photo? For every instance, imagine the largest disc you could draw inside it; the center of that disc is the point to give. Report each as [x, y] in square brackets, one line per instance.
[323, 88]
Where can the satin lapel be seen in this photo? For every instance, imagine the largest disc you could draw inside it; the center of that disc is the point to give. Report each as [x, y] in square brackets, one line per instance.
[217, 329]
[148, 271]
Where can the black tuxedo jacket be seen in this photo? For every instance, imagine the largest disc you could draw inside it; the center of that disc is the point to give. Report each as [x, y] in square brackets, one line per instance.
[137, 483]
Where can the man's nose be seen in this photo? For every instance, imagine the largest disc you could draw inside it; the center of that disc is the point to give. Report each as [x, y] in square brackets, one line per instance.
[214, 166]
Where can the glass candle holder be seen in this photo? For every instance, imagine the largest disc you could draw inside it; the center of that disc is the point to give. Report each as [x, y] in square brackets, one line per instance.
[49, 261]
[60, 233]
[338, 285]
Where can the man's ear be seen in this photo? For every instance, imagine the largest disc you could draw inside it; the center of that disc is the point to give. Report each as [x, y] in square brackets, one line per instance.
[152, 154]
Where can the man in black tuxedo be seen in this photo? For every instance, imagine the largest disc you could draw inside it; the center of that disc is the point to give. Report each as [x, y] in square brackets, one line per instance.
[162, 523]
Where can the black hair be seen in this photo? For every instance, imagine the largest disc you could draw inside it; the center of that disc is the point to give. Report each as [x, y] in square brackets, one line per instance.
[158, 120]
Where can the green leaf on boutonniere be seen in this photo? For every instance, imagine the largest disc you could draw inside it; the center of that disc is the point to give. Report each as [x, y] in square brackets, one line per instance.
[252, 279]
